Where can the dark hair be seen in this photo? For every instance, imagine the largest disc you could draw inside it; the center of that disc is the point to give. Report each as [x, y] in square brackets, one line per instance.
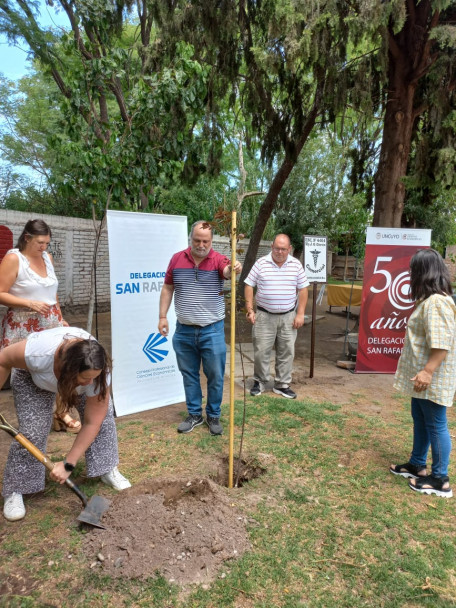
[429, 275]
[33, 228]
[76, 358]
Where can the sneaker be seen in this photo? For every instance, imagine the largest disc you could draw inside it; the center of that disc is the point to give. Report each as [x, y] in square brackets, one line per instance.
[189, 424]
[14, 509]
[215, 428]
[434, 486]
[116, 480]
[256, 389]
[285, 392]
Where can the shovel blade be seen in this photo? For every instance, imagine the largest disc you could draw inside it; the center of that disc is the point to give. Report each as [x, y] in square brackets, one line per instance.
[93, 512]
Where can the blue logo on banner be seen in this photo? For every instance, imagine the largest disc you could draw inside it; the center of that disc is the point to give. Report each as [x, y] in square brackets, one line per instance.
[152, 348]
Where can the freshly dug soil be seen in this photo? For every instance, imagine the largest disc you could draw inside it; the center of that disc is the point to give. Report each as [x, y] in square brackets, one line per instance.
[183, 529]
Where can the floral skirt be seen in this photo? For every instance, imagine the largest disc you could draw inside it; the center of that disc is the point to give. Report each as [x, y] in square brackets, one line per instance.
[19, 323]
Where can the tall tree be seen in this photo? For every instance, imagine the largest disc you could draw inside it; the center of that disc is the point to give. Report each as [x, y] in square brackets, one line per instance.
[128, 117]
[317, 198]
[420, 46]
[284, 62]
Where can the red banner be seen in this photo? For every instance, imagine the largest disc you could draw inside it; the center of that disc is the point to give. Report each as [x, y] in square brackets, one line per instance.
[386, 304]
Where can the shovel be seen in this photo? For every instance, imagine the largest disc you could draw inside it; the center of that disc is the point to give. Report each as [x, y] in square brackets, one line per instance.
[93, 508]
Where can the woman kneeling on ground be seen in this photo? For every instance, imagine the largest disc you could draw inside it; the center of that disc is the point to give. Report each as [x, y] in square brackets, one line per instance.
[427, 371]
[67, 360]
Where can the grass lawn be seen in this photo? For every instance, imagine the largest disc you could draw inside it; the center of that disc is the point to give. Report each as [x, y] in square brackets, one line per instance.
[329, 526]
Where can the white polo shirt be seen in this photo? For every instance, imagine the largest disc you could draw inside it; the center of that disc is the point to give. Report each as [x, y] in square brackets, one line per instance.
[277, 286]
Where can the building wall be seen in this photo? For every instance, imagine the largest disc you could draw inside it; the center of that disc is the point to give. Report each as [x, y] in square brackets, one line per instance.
[72, 246]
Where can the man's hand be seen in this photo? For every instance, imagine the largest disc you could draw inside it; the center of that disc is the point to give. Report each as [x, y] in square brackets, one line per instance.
[298, 320]
[227, 270]
[163, 326]
[251, 316]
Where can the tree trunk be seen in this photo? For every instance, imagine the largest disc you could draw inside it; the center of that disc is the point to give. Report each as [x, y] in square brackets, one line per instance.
[394, 155]
[409, 60]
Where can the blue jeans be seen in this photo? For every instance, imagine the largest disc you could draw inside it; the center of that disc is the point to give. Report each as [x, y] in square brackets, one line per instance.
[430, 428]
[195, 345]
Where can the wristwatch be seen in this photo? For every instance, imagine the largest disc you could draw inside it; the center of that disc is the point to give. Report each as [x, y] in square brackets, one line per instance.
[68, 467]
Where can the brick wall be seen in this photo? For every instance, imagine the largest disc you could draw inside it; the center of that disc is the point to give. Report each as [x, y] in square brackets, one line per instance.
[72, 246]
[72, 249]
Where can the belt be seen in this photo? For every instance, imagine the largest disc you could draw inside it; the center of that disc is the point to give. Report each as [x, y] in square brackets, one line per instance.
[274, 313]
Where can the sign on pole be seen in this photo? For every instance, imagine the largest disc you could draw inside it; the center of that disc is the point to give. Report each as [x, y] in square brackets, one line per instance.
[386, 303]
[315, 256]
[145, 373]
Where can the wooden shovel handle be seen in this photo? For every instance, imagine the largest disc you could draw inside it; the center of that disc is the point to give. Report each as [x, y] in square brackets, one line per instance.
[38, 454]
[34, 451]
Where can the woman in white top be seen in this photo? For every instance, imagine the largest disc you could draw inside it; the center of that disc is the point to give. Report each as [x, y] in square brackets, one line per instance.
[28, 286]
[71, 362]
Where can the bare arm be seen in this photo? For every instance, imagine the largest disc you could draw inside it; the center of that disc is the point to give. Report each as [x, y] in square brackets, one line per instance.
[12, 356]
[423, 378]
[166, 297]
[8, 275]
[94, 413]
[248, 295]
[300, 311]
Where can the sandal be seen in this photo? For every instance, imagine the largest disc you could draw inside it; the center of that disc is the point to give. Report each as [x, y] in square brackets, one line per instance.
[434, 485]
[66, 423]
[407, 470]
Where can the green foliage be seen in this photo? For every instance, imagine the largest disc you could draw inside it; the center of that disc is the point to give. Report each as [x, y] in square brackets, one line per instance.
[121, 129]
[318, 199]
[143, 105]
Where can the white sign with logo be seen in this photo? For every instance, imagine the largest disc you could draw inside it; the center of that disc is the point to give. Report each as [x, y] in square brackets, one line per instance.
[413, 237]
[145, 373]
[315, 255]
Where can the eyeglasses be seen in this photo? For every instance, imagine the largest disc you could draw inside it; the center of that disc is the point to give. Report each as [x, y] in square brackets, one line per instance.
[280, 249]
[196, 273]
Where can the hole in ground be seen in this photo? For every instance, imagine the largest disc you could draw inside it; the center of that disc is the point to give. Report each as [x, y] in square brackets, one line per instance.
[244, 470]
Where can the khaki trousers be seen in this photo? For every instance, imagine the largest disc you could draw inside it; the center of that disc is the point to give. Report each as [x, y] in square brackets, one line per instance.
[268, 331]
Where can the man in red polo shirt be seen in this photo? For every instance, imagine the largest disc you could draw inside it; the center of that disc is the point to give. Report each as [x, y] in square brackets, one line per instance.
[195, 278]
[281, 299]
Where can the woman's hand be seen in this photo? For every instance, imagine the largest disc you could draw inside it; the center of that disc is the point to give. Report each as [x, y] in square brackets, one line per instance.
[40, 307]
[423, 378]
[421, 381]
[58, 473]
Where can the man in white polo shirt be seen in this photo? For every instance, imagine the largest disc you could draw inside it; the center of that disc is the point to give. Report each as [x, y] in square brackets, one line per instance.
[281, 298]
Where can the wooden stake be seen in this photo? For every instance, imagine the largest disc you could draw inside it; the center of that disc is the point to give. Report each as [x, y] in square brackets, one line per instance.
[232, 348]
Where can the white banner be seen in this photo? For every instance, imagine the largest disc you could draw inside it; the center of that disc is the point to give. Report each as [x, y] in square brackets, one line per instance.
[145, 373]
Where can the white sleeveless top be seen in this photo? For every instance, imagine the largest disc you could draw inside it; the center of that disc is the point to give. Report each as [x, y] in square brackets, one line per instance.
[39, 357]
[30, 285]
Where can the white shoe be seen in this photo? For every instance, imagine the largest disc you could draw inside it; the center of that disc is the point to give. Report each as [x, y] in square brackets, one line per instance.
[14, 509]
[116, 480]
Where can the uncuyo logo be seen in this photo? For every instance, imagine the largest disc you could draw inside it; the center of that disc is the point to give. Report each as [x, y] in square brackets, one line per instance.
[153, 348]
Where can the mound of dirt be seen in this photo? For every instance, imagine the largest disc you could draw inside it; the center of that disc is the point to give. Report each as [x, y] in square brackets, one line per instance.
[183, 529]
